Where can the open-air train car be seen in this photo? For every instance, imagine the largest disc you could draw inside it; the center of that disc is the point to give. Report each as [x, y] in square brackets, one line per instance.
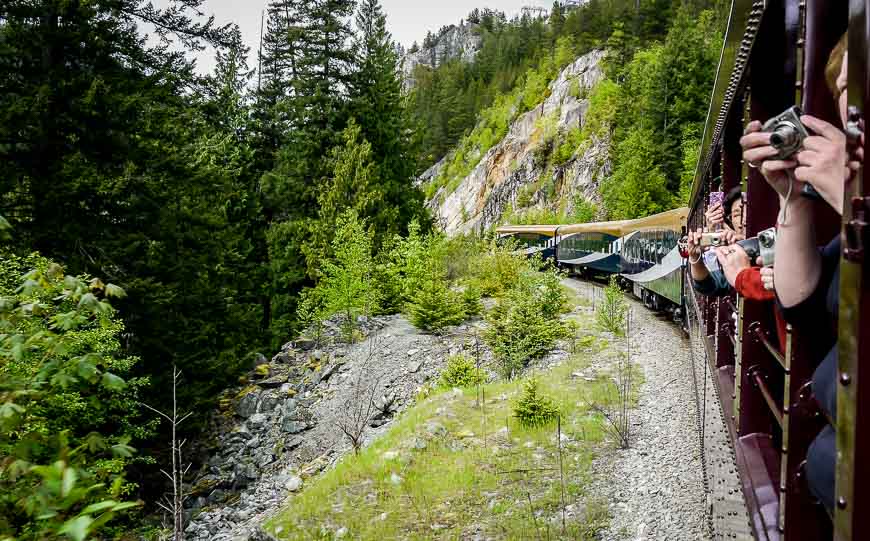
[774, 57]
[531, 239]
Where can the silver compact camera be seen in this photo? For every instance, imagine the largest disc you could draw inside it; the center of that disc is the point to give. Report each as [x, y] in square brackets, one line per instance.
[763, 246]
[787, 132]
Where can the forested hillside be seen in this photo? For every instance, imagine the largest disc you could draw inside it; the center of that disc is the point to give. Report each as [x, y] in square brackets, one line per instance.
[155, 219]
[206, 203]
[650, 107]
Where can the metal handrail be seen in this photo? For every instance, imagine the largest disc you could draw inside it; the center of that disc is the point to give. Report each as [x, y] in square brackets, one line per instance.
[758, 378]
[756, 329]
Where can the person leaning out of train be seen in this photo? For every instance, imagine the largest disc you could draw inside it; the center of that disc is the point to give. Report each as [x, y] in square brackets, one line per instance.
[753, 282]
[733, 269]
[707, 278]
[807, 278]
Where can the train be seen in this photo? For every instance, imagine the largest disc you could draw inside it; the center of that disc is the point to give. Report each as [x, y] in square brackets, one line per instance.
[757, 413]
[643, 253]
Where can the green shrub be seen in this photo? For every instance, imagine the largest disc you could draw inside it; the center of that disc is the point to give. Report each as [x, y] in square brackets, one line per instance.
[612, 310]
[584, 211]
[526, 323]
[461, 372]
[534, 410]
[346, 286]
[66, 415]
[435, 306]
[498, 269]
[471, 305]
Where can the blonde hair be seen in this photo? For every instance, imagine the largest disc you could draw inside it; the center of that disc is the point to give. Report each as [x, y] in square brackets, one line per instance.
[835, 64]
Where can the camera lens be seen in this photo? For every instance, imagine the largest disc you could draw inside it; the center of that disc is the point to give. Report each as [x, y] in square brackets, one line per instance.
[786, 138]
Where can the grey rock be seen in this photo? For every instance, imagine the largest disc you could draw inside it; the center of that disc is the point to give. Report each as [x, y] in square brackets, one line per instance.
[415, 366]
[259, 359]
[434, 430]
[257, 421]
[291, 426]
[268, 402]
[248, 404]
[289, 407]
[304, 344]
[293, 484]
[274, 382]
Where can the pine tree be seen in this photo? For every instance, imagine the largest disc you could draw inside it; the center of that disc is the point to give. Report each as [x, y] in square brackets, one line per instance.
[378, 104]
[303, 103]
[354, 185]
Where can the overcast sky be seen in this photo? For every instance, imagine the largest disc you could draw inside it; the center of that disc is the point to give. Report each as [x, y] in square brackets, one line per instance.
[408, 20]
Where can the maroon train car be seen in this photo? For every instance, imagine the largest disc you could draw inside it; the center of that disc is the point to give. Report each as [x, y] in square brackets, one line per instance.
[774, 57]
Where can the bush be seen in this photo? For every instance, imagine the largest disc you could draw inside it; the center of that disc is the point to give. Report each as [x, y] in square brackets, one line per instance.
[534, 410]
[498, 269]
[526, 323]
[66, 415]
[471, 304]
[346, 287]
[461, 372]
[435, 306]
[612, 310]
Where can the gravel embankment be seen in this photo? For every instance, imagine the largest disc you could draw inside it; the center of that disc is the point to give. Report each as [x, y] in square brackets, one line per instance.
[655, 488]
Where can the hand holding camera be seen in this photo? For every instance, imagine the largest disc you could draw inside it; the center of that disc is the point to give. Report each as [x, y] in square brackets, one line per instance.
[766, 151]
[824, 161]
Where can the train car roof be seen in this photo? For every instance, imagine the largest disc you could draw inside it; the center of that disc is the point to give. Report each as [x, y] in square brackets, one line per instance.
[672, 219]
[549, 230]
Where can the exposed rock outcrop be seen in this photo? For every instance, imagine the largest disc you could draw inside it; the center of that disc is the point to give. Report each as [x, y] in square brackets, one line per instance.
[481, 199]
[462, 41]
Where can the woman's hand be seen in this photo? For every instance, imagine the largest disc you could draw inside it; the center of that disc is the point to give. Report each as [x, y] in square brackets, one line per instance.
[766, 276]
[715, 216]
[729, 236]
[734, 260]
[696, 264]
[824, 161]
[758, 152]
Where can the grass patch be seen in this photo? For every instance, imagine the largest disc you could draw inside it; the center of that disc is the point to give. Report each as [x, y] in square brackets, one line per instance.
[450, 469]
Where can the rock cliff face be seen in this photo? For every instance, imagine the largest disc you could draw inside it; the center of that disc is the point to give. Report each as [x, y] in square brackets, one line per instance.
[485, 194]
[461, 41]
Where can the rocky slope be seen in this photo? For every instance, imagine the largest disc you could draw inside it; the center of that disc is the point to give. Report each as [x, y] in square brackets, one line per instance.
[454, 41]
[285, 424]
[482, 198]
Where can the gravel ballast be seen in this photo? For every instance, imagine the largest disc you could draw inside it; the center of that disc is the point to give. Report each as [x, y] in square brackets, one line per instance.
[655, 489]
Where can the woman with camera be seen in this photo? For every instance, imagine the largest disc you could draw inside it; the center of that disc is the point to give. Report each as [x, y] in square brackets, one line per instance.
[807, 278]
[732, 267]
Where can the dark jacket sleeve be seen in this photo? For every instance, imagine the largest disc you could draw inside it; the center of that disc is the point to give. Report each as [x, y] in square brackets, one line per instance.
[808, 311]
[714, 285]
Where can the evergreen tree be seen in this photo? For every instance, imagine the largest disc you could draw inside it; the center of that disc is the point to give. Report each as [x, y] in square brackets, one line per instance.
[111, 167]
[307, 69]
[354, 185]
[378, 104]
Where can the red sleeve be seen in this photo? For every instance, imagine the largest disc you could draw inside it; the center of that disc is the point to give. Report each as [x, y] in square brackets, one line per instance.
[749, 285]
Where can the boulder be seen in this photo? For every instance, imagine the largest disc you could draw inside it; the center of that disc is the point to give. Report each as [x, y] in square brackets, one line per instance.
[269, 402]
[303, 344]
[247, 406]
[257, 421]
[292, 426]
[415, 366]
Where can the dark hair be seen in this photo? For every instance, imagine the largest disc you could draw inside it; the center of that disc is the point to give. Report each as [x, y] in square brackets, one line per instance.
[731, 197]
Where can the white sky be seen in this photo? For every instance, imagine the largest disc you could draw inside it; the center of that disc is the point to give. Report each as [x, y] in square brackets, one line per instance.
[408, 20]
